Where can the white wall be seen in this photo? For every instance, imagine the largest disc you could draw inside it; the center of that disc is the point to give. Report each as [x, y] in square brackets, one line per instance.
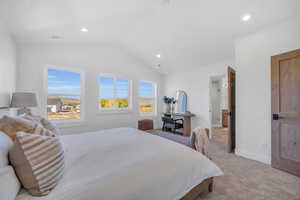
[253, 90]
[195, 81]
[7, 66]
[93, 60]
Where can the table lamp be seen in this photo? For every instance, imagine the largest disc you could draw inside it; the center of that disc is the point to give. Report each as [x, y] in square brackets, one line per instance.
[23, 100]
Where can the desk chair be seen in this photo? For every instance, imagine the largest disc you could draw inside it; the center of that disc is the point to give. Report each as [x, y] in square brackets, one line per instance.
[170, 123]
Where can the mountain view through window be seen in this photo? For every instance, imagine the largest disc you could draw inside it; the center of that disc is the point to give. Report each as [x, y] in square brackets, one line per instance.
[63, 101]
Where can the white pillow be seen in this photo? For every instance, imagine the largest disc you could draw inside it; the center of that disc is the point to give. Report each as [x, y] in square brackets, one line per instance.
[9, 183]
[5, 144]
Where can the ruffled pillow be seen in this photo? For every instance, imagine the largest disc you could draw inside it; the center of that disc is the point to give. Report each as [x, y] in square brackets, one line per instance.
[43, 122]
[12, 125]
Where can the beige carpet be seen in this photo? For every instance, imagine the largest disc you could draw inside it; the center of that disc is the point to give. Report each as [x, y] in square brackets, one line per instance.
[249, 180]
[220, 135]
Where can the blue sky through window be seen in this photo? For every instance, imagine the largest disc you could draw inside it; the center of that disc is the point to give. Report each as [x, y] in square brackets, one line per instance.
[146, 90]
[63, 82]
[122, 88]
[106, 89]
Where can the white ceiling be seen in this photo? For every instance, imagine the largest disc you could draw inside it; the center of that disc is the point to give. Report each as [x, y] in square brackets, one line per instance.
[187, 33]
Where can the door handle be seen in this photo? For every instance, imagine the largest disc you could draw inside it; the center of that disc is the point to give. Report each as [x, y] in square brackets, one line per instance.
[277, 117]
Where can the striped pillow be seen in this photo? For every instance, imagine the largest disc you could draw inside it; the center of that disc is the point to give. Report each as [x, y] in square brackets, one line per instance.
[38, 162]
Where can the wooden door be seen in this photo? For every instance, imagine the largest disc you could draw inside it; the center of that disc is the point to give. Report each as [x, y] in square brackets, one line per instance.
[286, 112]
[231, 110]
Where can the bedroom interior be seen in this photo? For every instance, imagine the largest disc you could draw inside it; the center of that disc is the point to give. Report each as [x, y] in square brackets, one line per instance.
[137, 100]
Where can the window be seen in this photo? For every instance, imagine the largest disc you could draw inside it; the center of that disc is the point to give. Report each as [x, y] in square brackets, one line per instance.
[147, 98]
[114, 93]
[64, 95]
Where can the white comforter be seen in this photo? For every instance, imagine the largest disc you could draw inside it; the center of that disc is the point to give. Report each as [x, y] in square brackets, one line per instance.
[127, 164]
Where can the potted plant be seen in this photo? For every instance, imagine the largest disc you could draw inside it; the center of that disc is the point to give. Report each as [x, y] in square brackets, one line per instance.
[169, 101]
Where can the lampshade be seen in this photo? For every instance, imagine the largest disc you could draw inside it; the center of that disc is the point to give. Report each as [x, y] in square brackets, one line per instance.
[23, 99]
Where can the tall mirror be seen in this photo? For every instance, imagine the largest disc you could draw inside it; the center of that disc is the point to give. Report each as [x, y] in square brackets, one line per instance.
[181, 98]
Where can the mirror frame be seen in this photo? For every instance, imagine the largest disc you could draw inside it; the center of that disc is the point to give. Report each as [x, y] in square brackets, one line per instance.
[177, 107]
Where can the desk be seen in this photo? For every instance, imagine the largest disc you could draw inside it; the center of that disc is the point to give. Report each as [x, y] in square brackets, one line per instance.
[186, 122]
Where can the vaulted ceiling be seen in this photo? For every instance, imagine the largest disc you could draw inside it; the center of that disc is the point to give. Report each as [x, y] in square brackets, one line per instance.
[187, 33]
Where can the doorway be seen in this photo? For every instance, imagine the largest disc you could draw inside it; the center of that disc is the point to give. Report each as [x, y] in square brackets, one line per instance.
[285, 75]
[219, 109]
[222, 109]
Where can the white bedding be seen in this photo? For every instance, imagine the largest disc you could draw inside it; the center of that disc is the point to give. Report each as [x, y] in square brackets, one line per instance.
[127, 164]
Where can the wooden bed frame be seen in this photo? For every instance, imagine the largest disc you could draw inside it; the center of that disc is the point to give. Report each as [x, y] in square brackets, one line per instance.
[197, 190]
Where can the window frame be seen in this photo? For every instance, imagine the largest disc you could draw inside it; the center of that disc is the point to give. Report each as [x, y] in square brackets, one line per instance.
[81, 95]
[115, 109]
[154, 85]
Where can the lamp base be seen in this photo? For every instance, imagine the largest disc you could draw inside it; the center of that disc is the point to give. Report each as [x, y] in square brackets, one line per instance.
[23, 111]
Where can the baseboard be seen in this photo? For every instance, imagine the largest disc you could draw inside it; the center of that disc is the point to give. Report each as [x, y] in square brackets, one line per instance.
[260, 158]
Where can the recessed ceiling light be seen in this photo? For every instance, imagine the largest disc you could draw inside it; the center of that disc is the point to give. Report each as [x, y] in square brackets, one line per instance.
[84, 29]
[158, 55]
[56, 37]
[246, 17]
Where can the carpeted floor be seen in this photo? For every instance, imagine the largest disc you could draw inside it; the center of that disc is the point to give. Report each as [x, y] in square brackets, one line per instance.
[220, 135]
[246, 179]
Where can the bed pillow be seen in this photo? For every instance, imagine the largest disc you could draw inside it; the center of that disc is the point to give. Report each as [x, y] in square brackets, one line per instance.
[9, 184]
[50, 126]
[38, 162]
[11, 125]
[43, 122]
[5, 144]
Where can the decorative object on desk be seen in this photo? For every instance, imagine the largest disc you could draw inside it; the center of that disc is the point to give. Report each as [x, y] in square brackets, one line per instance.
[169, 101]
[173, 107]
[23, 100]
[181, 99]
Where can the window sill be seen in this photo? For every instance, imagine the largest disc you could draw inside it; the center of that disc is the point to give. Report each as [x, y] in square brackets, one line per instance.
[112, 111]
[69, 123]
[148, 115]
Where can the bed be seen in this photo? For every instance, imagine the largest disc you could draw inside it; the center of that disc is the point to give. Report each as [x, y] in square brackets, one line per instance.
[129, 164]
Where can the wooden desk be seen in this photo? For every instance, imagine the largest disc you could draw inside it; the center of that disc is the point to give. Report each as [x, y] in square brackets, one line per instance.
[186, 122]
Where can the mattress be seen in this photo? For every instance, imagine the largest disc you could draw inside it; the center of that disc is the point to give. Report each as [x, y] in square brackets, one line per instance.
[127, 164]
